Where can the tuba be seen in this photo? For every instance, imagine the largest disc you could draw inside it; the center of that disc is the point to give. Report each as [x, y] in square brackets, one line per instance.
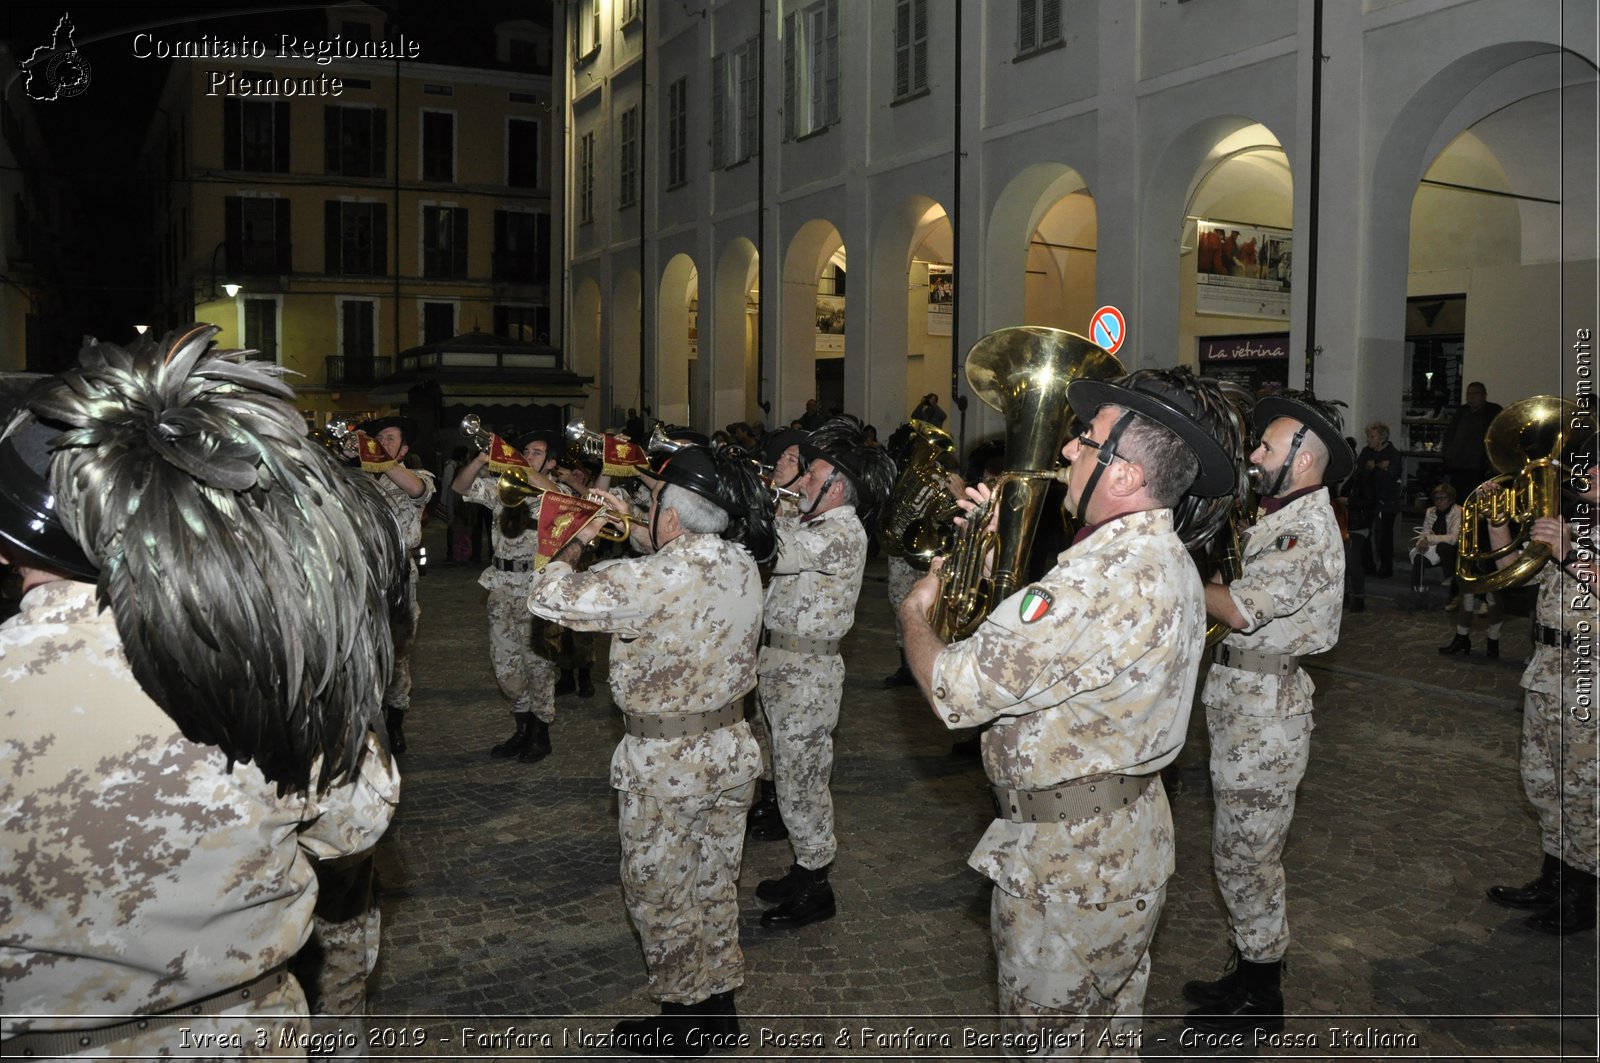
[916, 521]
[1023, 372]
[1526, 442]
[1225, 553]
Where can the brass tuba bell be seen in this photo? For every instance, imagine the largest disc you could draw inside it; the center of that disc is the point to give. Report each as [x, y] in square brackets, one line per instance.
[1526, 442]
[916, 521]
[1023, 372]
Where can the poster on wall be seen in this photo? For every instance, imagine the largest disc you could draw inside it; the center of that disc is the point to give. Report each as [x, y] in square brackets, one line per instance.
[941, 298]
[1241, 270]
[830, 323]
[1259, 361]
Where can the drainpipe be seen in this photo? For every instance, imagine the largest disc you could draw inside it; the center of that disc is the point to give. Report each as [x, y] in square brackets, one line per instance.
[764, 271]
[956, 398]
[1314, 195]
[644, 199]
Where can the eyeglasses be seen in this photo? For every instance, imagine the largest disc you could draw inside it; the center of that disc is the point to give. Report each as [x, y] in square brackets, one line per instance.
[1084, 440]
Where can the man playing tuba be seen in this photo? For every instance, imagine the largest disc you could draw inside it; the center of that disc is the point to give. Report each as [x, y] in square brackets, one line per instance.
[1087, 676]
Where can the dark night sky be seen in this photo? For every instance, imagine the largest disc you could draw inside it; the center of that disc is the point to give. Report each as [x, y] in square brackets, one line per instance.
[93, 138]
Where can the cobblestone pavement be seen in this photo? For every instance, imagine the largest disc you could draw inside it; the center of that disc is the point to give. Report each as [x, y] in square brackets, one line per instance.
[502, 909]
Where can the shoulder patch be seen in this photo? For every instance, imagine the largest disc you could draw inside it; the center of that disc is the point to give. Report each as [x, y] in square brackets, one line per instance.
[1036, 602]
[1286, 542]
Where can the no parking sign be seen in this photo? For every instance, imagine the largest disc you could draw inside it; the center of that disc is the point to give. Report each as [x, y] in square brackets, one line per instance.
[1108, 328]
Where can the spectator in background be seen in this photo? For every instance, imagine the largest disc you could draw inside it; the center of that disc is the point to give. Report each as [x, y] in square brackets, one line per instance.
[1379, 466]
[812, 419]
[1435, 544]
[1465, 460]
[928, 410]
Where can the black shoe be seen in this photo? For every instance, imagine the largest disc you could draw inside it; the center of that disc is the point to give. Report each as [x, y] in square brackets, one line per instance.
[585, 684]
[566, 684]
[776, 890]
[1461, 644]
[1573, 910]
[1208, 994]
[811, 903]
[1540, 893]
[1256, 1004]
[764, 822]
[519, 739]
[1491, 649]
[395, 722]
[538, 746]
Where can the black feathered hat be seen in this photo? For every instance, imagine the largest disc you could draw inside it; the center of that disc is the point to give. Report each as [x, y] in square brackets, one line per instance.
[727, 478]
[841, 442]
[778, 442]
[1163, 399]
[28, 514]
[1319, 416]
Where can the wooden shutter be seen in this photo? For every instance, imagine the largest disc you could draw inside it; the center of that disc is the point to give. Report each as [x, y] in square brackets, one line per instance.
[830, 95]
[283, 246]
[332, 236]
[749, 105]
[902, 48]
[791, 75]
[1027, 29]
[330, 140]
[719, 74]
[1049, 21]
[380, 143]
[280, 137]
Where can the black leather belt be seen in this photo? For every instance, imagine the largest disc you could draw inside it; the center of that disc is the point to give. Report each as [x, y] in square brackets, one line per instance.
[1550, 636]
[512, 566]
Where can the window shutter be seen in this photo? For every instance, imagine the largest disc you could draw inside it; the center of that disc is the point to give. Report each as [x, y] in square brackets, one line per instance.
[280, 137]
[332, 236]
[380, 239]
[232, 134]
[280, 234]
[902, 48]
[330, 139]
[919, 46]
[749, 105]
[830, 108]
[380, 143]
[541, 249]
[791, 75]
[1049, 21]
[719, 72]
[1026, 29]
[458, 241]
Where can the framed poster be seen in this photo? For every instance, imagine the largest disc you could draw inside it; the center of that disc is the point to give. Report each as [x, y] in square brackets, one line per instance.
[941, 298]
[1242, 270]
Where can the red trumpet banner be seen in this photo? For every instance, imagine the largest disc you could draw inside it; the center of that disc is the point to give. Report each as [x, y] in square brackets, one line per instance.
[373, 457]
[621, 457]
[503, 457]
[560, 518]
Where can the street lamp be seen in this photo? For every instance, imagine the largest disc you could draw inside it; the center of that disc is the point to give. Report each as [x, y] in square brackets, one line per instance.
[229, 288]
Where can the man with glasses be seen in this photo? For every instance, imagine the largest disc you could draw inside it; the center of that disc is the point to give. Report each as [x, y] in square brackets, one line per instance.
[1284, 605]
[1087, 676]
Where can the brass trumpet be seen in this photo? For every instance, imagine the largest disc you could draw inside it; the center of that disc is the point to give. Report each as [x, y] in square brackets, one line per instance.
[513, 489]
[472, 428]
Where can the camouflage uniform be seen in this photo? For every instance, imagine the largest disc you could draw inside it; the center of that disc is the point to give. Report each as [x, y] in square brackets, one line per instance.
[815, 582]
[901, 578]
[1559, 723]
[1097, 685]
[1291, 592]
[408, 514]
[687, 620]
[519, 644]
[138, 873]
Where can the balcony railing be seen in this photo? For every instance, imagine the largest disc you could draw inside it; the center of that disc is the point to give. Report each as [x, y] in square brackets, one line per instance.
[357, 372]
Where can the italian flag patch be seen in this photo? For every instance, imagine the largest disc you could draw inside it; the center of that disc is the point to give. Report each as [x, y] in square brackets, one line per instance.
[1035, 603]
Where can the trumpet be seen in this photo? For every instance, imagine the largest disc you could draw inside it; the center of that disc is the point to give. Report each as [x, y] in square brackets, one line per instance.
[586, 442]
[660, 443]
[472, 428]
[513, 489]
[335, 435]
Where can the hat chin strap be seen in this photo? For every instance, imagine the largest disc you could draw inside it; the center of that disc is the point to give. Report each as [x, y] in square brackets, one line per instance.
[1283, 470]
[1103, 459]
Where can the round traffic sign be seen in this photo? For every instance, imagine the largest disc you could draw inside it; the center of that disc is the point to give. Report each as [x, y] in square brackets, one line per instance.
[1108, 328]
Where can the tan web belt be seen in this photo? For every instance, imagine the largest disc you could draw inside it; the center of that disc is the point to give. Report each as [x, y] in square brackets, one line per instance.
[1251, 661]
[1070, 801]
[73, 1042]
[780, 640]
[683, 724]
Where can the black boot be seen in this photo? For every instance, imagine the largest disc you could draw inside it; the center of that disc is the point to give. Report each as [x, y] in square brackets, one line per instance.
[1461, 644]
[566, 684]
[764, 823]
[1573, 909]
[1256, 1004]
[1540, 893]
[585, 684]
[1491, 649]
[519, 738]
[395, 721]
[1208, 994]
[660, 1035]
[810, 902]
[902, 676]
[775, 890]
[718, 1023]
[538, 746]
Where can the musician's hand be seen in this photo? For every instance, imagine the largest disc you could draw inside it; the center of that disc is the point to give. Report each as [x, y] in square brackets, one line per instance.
[1552, 531]
[919, 600]
[977, 495]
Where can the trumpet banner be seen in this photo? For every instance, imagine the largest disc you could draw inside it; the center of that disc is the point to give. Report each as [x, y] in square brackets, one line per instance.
[622, 457]
[560, 518]
[504, 457]
[373, 457]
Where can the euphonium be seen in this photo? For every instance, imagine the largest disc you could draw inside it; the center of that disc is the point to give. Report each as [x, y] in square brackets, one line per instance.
[1225, 554]
[1525, 442]
[1023, 372]
[513, 489]
[916, 521]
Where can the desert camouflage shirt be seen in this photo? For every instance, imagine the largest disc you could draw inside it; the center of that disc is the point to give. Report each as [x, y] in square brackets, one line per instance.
[1088, 672]
[136, 872]
[407, 510]
[817, 576]
[1568, 606]
[520, 548]
[1291, 592]
[687, 620]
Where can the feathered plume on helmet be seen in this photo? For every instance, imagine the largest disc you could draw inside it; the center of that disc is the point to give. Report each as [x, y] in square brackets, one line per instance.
[727, 477]
[251, 576]
[841, 441]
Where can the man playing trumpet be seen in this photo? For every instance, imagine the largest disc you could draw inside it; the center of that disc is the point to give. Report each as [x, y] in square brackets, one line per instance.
[1086, 676]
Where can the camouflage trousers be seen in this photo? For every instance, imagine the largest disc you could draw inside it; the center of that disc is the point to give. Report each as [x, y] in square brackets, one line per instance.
[1257, 763]
[1072, 976]
[800, 698]
[901, 578]
[273, 1026]
[397, 695]
[1559, 774]
[519, 649]
[680, 881]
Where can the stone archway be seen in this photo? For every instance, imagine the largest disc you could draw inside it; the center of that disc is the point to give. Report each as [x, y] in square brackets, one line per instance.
[814, 245]
[913, 237]
[677, 339]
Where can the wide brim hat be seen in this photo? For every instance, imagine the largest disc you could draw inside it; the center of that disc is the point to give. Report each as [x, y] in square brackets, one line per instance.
[1173, 409]
[1341, 461]
[848, 462]
[408, 427]
[552, 440]
[28, 515]
[694, 468]
[778, 442]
